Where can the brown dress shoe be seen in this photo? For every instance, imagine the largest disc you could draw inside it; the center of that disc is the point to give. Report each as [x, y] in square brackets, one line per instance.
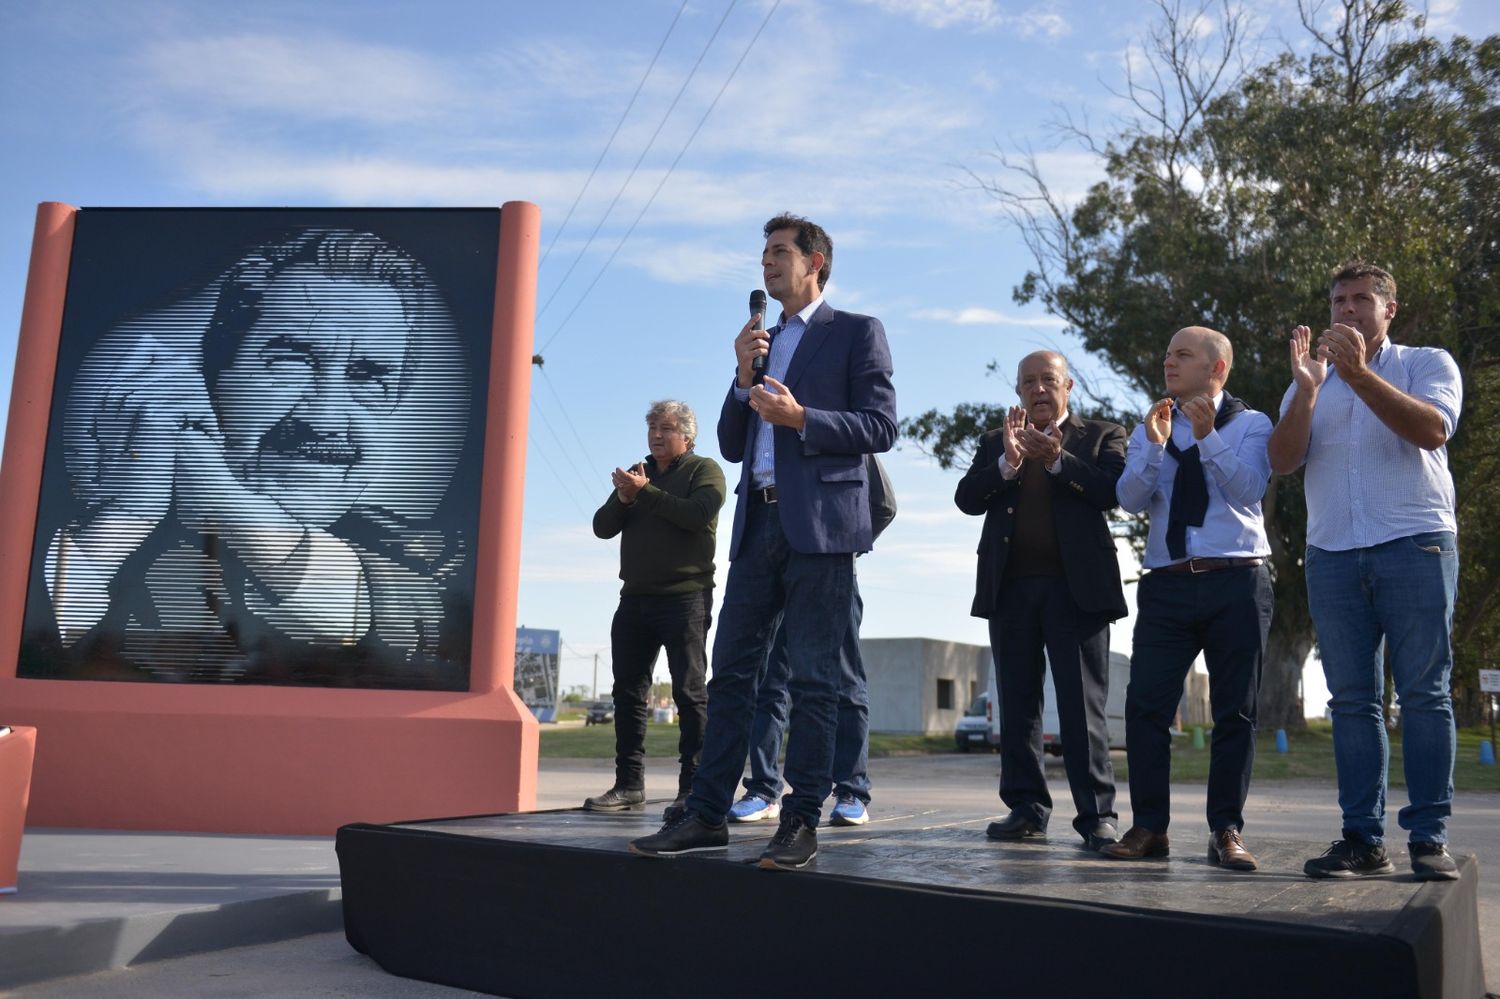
[1227, 850]
[1137, 844]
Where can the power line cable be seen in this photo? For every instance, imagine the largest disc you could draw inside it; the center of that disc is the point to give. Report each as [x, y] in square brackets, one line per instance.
[631, 176]
[533, 449]
[613, 135]
[564, 409]
[560, 448]
[743, 56]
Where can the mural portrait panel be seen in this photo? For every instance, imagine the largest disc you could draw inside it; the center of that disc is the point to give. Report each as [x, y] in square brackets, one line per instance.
[263, 462]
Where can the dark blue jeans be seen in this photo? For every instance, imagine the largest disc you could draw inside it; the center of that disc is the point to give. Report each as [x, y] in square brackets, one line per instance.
[851, 746]
[1226, 615]
[643, 626]
[812, 595]
[1402, 593]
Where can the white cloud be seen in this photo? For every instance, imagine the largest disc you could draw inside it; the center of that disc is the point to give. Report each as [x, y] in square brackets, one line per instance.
[975, 315]
[1442, 15]
[978, 14]
[316, 79]
[693, 263]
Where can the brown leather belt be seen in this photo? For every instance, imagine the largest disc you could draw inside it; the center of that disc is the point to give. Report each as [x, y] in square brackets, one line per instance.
[1197, 565]
[766, 495]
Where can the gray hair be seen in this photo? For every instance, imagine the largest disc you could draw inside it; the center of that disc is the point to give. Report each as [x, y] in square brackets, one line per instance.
[687, 423]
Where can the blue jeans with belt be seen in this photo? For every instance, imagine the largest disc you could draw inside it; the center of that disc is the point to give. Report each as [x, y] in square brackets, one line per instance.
[811, 594]
[1402, 593]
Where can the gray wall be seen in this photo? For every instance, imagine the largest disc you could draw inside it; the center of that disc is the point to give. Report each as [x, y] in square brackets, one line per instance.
[904, 675]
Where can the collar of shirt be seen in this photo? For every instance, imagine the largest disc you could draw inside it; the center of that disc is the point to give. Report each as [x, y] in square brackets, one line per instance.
[649, 464]
[805, 314]
[1218, 401]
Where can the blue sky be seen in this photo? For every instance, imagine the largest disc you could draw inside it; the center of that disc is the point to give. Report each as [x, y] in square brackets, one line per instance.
[861, 114]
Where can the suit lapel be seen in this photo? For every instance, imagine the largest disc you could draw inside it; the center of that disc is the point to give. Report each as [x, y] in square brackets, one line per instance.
[1072, 429]
[813, 339]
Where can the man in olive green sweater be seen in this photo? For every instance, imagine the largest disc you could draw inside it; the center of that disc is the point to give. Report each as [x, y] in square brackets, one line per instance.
[666, 510]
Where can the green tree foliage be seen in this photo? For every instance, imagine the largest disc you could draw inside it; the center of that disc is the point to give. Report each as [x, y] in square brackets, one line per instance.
[1234, 186]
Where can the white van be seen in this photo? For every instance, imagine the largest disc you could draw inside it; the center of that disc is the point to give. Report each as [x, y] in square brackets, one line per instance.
[1114, 708]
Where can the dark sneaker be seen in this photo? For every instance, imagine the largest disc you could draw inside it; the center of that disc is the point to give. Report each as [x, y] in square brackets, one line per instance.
[1432, 862]
[1349, 858]
[675, 810]
[792, 848]
[688, 834]
[617, 799]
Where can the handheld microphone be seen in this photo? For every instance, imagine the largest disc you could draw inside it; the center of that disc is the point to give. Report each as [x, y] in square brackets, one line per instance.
[758, 308]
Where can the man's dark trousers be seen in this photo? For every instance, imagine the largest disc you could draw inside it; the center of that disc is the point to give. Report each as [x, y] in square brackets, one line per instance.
[643, 626]
[1036, 615]
[769, 579]
[1225, 614]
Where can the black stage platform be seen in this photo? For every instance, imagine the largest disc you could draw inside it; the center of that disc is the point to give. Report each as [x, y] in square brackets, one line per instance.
[550, 904]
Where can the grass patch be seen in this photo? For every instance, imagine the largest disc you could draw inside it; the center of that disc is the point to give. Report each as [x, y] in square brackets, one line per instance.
[1310, 755]
[597, 742]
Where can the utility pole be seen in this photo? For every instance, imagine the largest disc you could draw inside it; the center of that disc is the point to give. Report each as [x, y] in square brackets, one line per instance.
[595, 696]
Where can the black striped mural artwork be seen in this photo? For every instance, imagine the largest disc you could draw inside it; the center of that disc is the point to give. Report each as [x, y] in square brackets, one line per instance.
[263, 461]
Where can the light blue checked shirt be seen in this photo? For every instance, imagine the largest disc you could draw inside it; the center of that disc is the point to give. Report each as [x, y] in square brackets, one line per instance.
[783, 346]
[1365, 485]
[1236, 469]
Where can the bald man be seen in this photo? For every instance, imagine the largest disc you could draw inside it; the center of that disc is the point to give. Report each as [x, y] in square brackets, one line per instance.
[1049, 583]
[1198, 463]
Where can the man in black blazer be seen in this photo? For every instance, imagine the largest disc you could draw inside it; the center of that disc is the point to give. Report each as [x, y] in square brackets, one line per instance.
[1049, 583]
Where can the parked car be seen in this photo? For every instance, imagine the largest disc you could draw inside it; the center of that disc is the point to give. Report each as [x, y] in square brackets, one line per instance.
[973, 729]
[1119, 679]
[600, 713]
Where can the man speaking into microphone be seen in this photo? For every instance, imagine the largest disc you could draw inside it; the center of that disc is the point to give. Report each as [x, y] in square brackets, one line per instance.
[799, 429]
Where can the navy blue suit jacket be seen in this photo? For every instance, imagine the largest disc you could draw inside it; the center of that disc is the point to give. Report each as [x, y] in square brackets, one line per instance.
[841, 374]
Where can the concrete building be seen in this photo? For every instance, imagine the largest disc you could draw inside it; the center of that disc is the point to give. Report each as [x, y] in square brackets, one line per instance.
[922, 684]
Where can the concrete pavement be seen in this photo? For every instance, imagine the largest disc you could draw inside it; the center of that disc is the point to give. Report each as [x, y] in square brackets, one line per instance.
[241, 916]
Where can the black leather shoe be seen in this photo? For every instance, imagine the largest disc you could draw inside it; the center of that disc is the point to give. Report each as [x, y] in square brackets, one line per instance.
[793, 847]
[688, 834]
[1016, 825]
[675, 810]
[617, 799]
[1101, 835]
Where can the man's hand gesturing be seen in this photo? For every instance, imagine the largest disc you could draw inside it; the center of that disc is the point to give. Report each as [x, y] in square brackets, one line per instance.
[1159, 421]
[1308, 371]
[1015, 425]
[629, 482]
[748, 345]
[1344, 348]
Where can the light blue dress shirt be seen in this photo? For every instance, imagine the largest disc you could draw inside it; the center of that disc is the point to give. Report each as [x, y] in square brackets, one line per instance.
[783, 346]
[1365, 485]
[1236, 468]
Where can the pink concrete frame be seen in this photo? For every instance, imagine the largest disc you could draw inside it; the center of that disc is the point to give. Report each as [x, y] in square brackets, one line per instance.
[290, 760]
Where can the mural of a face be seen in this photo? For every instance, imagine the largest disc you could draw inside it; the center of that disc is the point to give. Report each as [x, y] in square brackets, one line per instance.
[302, 403]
